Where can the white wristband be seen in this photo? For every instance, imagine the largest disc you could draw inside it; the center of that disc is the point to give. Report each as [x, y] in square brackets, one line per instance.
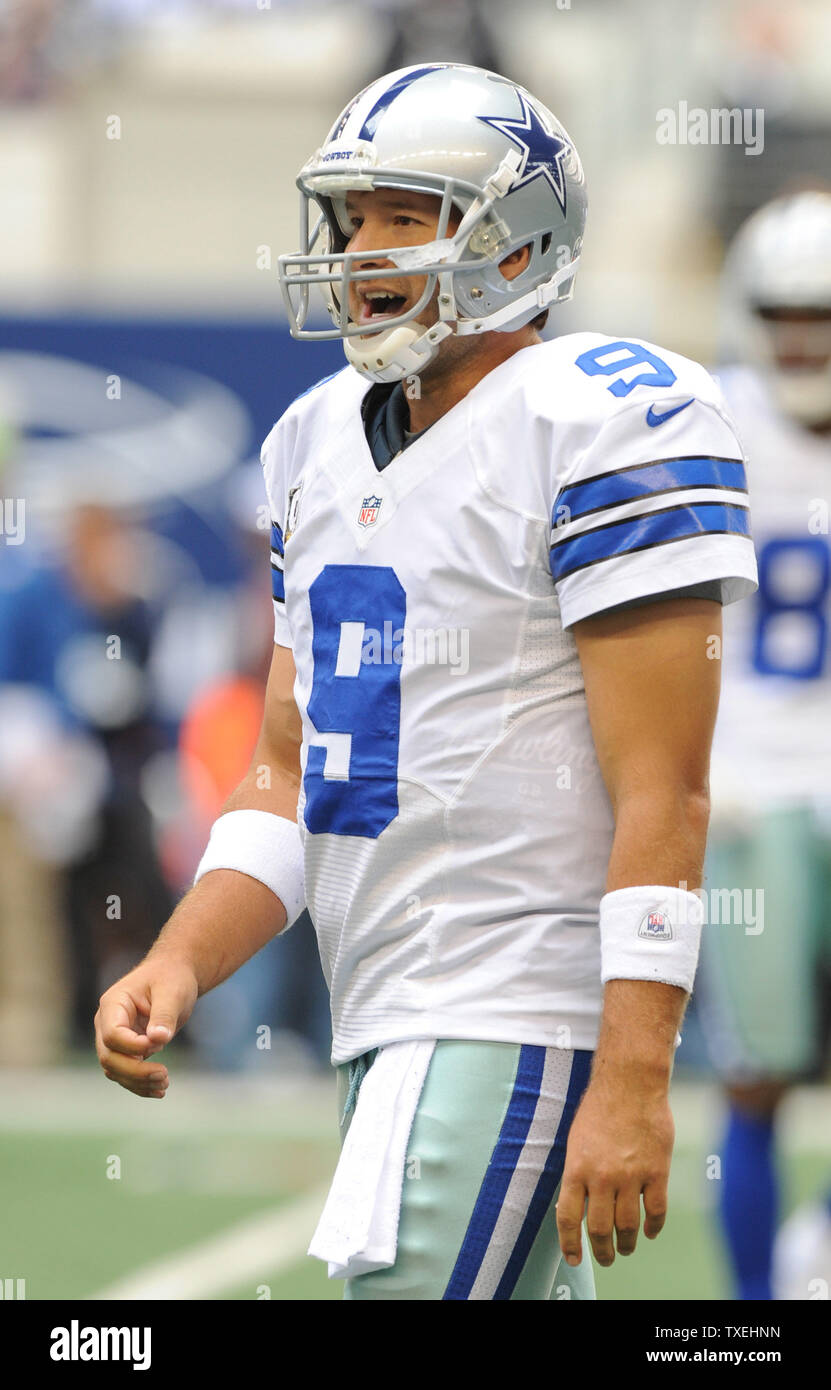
[264, 846]
[650, 933]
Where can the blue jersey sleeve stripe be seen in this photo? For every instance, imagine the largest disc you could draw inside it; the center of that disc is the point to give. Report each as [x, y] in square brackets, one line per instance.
[278, 585]
[650, 480]
[645, 531]
[277, 539]
[650, 463]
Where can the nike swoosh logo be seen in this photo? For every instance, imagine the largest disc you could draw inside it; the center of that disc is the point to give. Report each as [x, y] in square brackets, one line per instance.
[653, 419]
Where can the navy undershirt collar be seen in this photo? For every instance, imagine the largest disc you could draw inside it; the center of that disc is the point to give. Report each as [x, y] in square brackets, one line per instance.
[386, 417]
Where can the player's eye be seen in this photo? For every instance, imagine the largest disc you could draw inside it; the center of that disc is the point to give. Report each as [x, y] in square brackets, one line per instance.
[402, 219]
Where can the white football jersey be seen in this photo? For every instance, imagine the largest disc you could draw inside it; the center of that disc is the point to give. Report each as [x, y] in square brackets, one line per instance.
[773, 736]
[455, 822]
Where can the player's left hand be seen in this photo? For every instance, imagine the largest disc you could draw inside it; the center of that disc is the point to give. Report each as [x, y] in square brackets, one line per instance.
[619, 1147]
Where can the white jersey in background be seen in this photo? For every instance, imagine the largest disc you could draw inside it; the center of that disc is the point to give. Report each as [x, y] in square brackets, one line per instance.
[773, 736]
[456, 826]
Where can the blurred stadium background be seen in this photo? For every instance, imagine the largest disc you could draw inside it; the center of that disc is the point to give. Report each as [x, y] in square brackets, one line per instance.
[149, 150]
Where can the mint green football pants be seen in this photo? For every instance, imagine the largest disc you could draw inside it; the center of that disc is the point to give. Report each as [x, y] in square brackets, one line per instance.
[482, 1174]
[763, 948]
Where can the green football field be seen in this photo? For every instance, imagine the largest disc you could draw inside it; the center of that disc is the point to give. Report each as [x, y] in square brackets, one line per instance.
[213, 1192]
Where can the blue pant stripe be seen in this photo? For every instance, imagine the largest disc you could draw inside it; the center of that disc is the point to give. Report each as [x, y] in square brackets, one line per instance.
[496, 1181]
[548, 1179]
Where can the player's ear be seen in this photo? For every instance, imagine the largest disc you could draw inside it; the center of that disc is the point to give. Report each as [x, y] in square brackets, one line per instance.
[515, 262]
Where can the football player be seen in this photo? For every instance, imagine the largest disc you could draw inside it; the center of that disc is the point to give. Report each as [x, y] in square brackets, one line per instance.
[762, 969]
[498, 569]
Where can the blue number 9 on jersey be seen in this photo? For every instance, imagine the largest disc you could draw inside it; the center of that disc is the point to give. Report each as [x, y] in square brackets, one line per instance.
[659, 373]
[355, 705]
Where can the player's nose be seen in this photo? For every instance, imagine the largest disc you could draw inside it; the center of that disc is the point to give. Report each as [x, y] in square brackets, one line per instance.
[367, 242]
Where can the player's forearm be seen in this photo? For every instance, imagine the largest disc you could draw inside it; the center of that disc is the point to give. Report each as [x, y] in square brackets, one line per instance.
[219, 924]
[268, 785]
[638, 1029]
[228, 916]
[660, 837]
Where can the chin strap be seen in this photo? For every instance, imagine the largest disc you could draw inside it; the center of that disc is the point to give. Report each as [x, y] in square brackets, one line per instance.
[403, 351]
[396, 354]
[806, 397]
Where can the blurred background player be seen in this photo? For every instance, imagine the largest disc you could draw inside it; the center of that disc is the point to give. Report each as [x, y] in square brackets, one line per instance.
[765, 971]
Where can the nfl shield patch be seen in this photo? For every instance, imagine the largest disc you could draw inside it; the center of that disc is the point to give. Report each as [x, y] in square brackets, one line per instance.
[656, 926]
[370, 507]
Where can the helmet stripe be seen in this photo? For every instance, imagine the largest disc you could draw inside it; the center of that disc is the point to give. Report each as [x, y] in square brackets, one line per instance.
[386, 99]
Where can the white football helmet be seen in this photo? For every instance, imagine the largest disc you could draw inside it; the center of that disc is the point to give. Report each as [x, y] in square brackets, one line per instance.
[487, 148]
[776, 301]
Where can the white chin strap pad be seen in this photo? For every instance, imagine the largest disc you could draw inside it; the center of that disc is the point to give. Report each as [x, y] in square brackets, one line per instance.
[804, 395]
[396, 354]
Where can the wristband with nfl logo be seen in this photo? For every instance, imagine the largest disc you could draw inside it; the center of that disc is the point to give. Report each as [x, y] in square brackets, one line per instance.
[650, 933]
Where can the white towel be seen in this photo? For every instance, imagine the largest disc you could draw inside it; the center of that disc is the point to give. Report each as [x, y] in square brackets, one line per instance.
[358, 1230]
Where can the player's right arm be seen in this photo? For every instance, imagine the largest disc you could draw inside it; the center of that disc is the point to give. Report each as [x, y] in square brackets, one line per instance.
[219, 924]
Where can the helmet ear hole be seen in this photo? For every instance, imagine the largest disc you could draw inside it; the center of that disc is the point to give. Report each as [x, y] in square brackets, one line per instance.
[545, 243]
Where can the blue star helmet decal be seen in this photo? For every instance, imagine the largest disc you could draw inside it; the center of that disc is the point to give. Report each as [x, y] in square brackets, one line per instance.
[542, 151]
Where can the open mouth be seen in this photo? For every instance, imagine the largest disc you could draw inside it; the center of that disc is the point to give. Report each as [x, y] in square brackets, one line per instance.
[377, 305]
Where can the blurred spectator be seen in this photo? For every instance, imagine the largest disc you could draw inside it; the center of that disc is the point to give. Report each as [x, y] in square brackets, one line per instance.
[75, 640]
[446, 31]
[34, 959]
[764, 70]
[26, 69]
